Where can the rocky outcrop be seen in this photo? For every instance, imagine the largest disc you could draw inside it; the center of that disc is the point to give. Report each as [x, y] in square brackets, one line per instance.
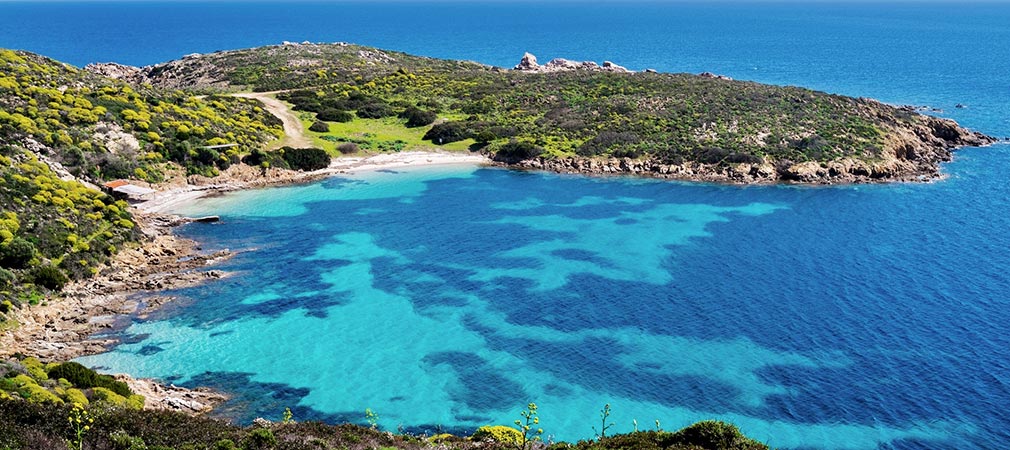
[170, 397]
[64, 330]
[529, 64]
[714, 76]
[114, 70]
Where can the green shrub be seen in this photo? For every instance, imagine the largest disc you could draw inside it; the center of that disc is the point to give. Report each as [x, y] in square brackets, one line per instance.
[260, 438]
[374, 111]
[6, 306]
[120, 440]
[606, 140]
[715, 434]
[7, 279]
[348, 148]
[334, 115]
[35, 368]
[75, 396]
[17, 254]
[225, 444]
[83, 377]
[320, 127]
[418, 118]
[518, 151]
[498, 433]
[49, 277]
[30, 390]
[259, 157]
[106, 395]
[135, 401]
[447, 132]
[306, 158]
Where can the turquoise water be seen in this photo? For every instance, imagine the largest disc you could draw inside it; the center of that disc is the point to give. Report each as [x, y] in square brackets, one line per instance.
[842, 317]
[446, 298]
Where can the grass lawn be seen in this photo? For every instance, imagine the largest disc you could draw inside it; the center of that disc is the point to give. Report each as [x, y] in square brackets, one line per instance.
[376, 135]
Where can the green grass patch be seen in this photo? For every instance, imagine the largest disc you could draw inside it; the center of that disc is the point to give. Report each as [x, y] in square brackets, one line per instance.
[376, 135]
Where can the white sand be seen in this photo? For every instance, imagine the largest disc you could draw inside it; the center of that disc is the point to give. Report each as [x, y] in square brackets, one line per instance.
[166, 200]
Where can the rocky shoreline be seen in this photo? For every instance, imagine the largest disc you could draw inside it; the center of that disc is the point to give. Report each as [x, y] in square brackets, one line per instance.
[65, 328]
[918, 157]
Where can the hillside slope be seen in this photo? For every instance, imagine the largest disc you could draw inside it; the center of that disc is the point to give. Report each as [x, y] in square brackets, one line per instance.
[583, 117]
[63, 131]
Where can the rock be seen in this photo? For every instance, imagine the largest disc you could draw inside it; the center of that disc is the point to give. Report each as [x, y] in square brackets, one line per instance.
[650, 71]
[714, 76]
[558, 64]
[114, 70]
[115, 139]
[528, 63]
[261, 422]
[611, 67]
[181, 404]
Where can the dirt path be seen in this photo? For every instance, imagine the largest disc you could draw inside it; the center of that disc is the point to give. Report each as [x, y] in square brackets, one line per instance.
[294, 134]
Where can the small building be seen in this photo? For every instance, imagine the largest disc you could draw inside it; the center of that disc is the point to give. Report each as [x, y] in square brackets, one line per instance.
[123, 189]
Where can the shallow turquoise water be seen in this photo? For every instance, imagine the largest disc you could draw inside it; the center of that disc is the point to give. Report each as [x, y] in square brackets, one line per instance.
[448, 297]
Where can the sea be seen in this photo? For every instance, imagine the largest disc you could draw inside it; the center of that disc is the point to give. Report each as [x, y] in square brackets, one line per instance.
[446, 298]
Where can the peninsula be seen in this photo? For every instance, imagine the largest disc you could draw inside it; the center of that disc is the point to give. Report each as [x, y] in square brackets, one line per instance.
[571, 116]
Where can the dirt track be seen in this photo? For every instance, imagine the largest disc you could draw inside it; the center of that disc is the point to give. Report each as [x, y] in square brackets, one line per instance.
[294, 134]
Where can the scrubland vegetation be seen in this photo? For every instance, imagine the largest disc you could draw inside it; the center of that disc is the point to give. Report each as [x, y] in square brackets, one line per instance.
[670, 117]
[58, 123]
[83, 419]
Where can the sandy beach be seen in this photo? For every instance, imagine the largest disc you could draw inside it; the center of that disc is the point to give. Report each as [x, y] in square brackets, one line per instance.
[244, 177]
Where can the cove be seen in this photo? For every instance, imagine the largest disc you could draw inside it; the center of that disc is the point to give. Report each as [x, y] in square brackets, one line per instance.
[445, 298]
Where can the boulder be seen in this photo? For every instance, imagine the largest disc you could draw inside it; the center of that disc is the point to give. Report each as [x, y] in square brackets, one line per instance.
[611, 67]
[528, 63]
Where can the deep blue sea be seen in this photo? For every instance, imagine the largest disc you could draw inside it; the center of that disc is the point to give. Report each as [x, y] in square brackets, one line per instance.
[446, 298]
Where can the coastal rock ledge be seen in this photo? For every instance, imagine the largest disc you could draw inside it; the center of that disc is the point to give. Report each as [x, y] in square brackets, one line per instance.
[916, 154]
[529, 64]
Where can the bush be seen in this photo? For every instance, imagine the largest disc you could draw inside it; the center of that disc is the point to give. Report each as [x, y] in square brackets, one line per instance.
[446, 132]
[715, 434]
[225, 444]
[49, 277]
[31, 391]
[518, 151]
[106, 395]
[265, 159]
[75, 396]
[122, 441]
[604, 141]
[418, 118]
[334, 115]
[259, 438]
[348, 148]
[320, 127]
[374, 111]
[17, 254]
[84, 378]
[35, 368]
[7, 280]
[306, 158]
[498, 433]
[6, 306]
